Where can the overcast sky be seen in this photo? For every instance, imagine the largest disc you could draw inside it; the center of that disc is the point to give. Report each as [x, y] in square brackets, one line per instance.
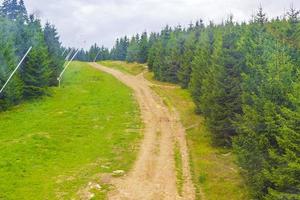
[102, 21]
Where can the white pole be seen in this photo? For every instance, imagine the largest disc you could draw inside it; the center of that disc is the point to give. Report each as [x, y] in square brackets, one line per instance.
[66, 58]
[64, 52]
[60, 76]
[97, 55]
[12, 74]
[69, 54]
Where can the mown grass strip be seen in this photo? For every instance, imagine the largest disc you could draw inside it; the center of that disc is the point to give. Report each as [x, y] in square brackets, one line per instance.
[178, 165]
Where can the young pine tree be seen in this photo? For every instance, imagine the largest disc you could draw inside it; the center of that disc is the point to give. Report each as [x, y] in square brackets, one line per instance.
[158, 57]
[269, 124]
[172, 60]
[35, 71]
[200, 66]
[143, 48]
[12, 94]
[54, 51]
[133, 51]
[185, 70]
[227, 99]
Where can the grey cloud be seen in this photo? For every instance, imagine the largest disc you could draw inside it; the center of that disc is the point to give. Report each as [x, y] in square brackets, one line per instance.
[102, 21]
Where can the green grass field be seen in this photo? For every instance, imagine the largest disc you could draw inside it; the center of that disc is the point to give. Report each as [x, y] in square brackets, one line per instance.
[214, 171]
[130, 68]
[51, 148]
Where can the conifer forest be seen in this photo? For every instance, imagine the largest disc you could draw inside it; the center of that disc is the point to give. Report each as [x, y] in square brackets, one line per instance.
[242, 77]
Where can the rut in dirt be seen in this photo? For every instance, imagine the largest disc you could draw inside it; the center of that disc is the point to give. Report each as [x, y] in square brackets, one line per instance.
[153, 175]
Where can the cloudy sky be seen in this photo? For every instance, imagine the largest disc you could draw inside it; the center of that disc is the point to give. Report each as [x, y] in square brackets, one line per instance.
[83, 22]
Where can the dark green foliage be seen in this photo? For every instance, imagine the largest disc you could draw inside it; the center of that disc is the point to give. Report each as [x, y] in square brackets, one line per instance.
[9, 9]
[200, 68]
[269, 121]
[158, 59]
[94, 54]
[244, 79]
[54, 51]
[36, 71]
[143, 48]
[133, 50]
[170, 62]
[40, 69]
[151, 51]
[103, 54]
[226, 102]
[13, 93]
[82, 55]
[14, 10]
[36, 74]
[188, 53]
[119, 51]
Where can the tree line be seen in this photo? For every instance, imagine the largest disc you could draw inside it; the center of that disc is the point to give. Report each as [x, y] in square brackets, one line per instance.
[19, 31]
[244, 79]
[95, 53]
[125, 49]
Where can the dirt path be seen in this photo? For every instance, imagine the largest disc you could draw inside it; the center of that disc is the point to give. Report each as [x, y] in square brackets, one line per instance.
[153, 176]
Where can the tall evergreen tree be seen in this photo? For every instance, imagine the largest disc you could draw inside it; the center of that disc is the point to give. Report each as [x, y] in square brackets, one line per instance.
[36, 72]
[143, 48]
[54, 51]
[267, 84]
[9, 9]
[227, 99]
[8, 61]
[200, 66]
[185, 70]
[133, 50]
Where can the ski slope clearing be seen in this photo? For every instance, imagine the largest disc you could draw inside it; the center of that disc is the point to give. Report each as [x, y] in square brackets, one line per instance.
[51, 148]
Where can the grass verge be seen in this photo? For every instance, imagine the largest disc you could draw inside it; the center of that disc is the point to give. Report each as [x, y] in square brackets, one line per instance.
[214, 171]
[52, 147]
[130, 68]
[178, 166]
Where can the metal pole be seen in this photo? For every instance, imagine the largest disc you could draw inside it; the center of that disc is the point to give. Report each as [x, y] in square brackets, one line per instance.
[12, 74]
[60, 76]
[69, 54]
[64, 52]
[97, 55]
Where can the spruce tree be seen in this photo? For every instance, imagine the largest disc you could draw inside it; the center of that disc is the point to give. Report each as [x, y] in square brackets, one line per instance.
[200, 66]
[159, 60]
[35, 71]
[54, 51]
[143, 48]
[267, 84]
[9, 9]
[185, 70]
[12, 94]
[227, 99]
[22, 11]
[172, 61]
[293, 34]
[133, 51]
[93, 52]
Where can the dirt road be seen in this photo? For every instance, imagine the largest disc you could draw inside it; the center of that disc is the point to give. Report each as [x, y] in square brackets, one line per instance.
[153, 176]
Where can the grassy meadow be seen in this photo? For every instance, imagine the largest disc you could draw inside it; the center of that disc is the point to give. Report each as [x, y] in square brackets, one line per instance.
[51, 148]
